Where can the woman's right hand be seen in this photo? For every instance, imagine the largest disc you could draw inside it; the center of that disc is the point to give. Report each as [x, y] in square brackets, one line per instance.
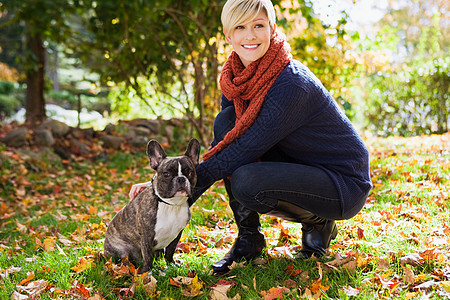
[137, 188]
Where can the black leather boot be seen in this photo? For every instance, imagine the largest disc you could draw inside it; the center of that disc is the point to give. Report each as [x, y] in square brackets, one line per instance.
[317, 232]
[250, 241]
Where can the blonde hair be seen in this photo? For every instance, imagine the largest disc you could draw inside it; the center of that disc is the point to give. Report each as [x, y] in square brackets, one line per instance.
[237, 12]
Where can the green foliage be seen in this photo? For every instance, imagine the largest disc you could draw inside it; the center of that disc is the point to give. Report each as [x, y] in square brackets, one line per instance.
[324, 49]
[6, 87]
[410, 94]
[410, 102]
[8, 105]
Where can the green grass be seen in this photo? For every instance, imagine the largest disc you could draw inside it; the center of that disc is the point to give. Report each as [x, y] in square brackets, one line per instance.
[53, 216]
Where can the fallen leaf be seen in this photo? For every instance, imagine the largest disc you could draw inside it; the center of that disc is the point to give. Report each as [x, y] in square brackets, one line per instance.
[150, 287]
[34, 288]
[408, 277]
[349, 291]
[361, 234]
[318, 288]
[10, 270]
[291, 271]
[290, 283]
[30, 276]
[426, 285]
[274, 293]
[84, 264]
[49, 244]
[412, 259]
[18, 296]
[219, 290]
[446, 285]
[194, 289]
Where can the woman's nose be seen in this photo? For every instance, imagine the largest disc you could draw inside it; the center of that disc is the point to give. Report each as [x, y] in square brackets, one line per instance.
[250, 34]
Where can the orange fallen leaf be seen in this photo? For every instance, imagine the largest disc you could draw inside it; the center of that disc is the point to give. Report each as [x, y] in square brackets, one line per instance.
[291, 271]
[84, 264]
[274, 293]
[30, 276]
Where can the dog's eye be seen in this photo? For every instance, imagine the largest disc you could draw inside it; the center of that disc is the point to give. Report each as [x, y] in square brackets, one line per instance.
[166, 174]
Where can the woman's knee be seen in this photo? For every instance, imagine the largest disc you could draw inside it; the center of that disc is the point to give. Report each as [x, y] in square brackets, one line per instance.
[247, 189]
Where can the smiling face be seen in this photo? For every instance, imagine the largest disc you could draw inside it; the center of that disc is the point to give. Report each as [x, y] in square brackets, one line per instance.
[252, 39]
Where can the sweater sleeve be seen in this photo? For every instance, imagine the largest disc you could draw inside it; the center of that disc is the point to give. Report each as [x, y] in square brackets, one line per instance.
[287, 106]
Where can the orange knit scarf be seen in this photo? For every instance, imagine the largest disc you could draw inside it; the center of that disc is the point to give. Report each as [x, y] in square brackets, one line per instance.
[248, 87]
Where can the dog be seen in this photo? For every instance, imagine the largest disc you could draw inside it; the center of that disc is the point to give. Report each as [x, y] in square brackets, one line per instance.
[154, 220]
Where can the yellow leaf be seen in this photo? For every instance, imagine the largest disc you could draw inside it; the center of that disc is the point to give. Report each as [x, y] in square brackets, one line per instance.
[193, 288]
[446, 285]
[410, 295]
[84, 264]
[49, 244]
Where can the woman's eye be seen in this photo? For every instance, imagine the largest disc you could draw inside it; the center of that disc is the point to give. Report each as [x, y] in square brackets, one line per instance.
[259, 26]
[239, 27]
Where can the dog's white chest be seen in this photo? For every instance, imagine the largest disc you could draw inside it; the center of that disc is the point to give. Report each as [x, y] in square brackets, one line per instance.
[170, 220]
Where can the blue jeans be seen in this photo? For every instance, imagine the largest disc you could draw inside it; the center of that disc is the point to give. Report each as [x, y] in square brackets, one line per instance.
[259, 185]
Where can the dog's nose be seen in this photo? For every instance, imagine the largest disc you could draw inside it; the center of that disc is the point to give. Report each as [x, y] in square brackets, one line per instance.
[181, 180]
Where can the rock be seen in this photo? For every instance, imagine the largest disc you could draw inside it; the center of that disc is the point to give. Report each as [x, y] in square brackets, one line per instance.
[139, 130]
[131, 134]
[80, 133]
[16, 138]
[45, 137]
[77, 147]
[110, 128]
[138, 141]
[169, 129]
[111, 141]
[59, 129]
[153, 125]
[39, 155]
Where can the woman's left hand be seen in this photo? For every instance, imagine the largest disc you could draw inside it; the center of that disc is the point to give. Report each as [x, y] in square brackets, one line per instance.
[137, 188]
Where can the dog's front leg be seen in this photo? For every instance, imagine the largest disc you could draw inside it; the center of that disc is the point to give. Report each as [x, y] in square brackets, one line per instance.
[170, 249]
[147, 251]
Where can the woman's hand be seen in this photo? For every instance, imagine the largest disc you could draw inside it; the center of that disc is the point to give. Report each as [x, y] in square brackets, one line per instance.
[137, 188]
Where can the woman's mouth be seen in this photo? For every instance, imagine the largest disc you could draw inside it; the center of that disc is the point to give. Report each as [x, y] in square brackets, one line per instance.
[250, 46]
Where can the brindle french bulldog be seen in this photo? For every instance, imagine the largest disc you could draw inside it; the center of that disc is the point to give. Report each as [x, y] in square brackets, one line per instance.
[154, 220]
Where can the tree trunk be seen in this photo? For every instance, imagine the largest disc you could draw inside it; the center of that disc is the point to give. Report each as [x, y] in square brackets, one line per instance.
[34, 101]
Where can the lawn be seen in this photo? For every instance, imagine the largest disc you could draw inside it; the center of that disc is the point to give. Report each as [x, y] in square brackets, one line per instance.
[54, 213]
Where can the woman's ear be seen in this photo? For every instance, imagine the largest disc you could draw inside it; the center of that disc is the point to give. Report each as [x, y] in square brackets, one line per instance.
[227, 38]
[273, 30]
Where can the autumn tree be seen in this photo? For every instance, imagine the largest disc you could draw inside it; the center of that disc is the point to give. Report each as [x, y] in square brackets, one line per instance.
[163, 52]
[408, 95]
[42, 20]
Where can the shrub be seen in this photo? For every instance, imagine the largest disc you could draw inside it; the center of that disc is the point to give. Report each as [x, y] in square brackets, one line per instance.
[6, 87]
[8, 105]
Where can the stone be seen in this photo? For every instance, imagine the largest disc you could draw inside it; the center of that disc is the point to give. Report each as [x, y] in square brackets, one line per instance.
[45, 137]
[111, 141]
[139, 130]
[59, 129]
[110, 128]
[138, 141]
[16, 138]
[78, 147]
[153, 125]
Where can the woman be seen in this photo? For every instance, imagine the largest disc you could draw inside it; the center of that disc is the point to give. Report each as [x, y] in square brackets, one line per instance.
[281, 144]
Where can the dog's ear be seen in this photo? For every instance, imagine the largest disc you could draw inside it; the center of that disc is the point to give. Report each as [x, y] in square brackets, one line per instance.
[155, 154]
[193, 151]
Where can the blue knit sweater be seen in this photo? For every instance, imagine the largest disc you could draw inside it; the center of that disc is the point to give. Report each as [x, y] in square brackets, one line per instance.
[299, 116]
